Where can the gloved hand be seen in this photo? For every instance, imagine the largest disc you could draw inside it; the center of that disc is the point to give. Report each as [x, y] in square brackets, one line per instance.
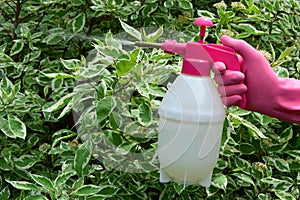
[265, 92]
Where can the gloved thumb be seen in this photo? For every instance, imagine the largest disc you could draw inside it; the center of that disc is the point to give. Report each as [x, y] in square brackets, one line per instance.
[242, 47]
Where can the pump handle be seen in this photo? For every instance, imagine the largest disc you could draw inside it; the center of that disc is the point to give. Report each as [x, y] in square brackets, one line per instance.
[203, 22]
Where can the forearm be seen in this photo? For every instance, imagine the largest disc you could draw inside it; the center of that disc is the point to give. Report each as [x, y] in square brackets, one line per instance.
[286, 105]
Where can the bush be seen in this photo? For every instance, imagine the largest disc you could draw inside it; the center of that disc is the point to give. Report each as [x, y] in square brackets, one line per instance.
[78, 112]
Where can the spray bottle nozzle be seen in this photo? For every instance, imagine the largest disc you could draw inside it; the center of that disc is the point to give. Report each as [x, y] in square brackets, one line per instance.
[148, 44]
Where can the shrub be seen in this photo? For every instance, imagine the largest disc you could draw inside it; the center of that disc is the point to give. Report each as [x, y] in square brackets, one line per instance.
[78, 112]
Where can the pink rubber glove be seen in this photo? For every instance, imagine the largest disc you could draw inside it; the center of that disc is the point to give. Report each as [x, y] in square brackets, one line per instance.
[265, 92]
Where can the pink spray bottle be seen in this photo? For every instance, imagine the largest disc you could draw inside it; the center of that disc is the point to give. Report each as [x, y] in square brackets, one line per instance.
[191, 113]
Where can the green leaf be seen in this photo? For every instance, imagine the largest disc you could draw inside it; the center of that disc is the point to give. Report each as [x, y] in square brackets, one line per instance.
[131, 31]
[244, 179]
[60, 103]
[5, 193]
[60, 75]
[251, 127]
[16, 126]
[78, 23]
[87, 190]
[281, 72]
[248, 28]
[268, 5]
[185, 4]
[283, 195]
[4, 127]
[66, 109]
[294, 153]
[149, 9]
[43, 181]
[282, 165]
[5, 164]
[63, 178]
[247, 148]
[36, 197]
[71, 64]
[78, 183]
[152, 37]
[145, 114]
[25, 161]
[104, 107]
[17, 47]
[179, 188]
[168, 3]
[82, 156]
[23, 185]
[53, 39]
[271, 180]
[220, 181]
[124, 66]
[243, 164]
[3, 48]
[286, 52]
[6, 88]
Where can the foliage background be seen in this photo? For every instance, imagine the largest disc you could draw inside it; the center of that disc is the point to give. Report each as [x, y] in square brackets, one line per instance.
[59, 55]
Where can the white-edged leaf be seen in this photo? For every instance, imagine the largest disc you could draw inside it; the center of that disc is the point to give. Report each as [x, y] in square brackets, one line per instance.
[43, 181]
[281, 72]
[59, 75]
[152, 37]
[5, 193]
[282, 165]
[4, 127]
[60, 103]
[66, 109]
[23, 185]
[87, 190]
[185, 4]
[271, 180]
[17, 47]
[131, 31]
[53, 39]
[294, 153]
[78, 23]
[71, 64]
[62, 178]
[16, 126]
[36, 197]
[3, 48]
[149, 8]
[220, 182]
[251, 127]
[244, 178]
[145, 114]
[82, 156]
[283, 195]
[104, 107]
[25, 161]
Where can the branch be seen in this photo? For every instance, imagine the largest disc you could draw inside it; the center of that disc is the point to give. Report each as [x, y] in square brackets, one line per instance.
[6, 15]
[10, 6]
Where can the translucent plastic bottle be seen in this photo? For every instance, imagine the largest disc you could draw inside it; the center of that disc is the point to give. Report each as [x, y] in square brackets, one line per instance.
[190, 130]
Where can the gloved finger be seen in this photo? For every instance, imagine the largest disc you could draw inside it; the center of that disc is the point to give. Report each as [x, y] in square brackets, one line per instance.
[229, 77]
[240, 59]
[232, 100]
[231, 90]
[218, 68]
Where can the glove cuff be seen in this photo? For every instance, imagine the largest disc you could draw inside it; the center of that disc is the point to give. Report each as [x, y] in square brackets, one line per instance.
[286, 102]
